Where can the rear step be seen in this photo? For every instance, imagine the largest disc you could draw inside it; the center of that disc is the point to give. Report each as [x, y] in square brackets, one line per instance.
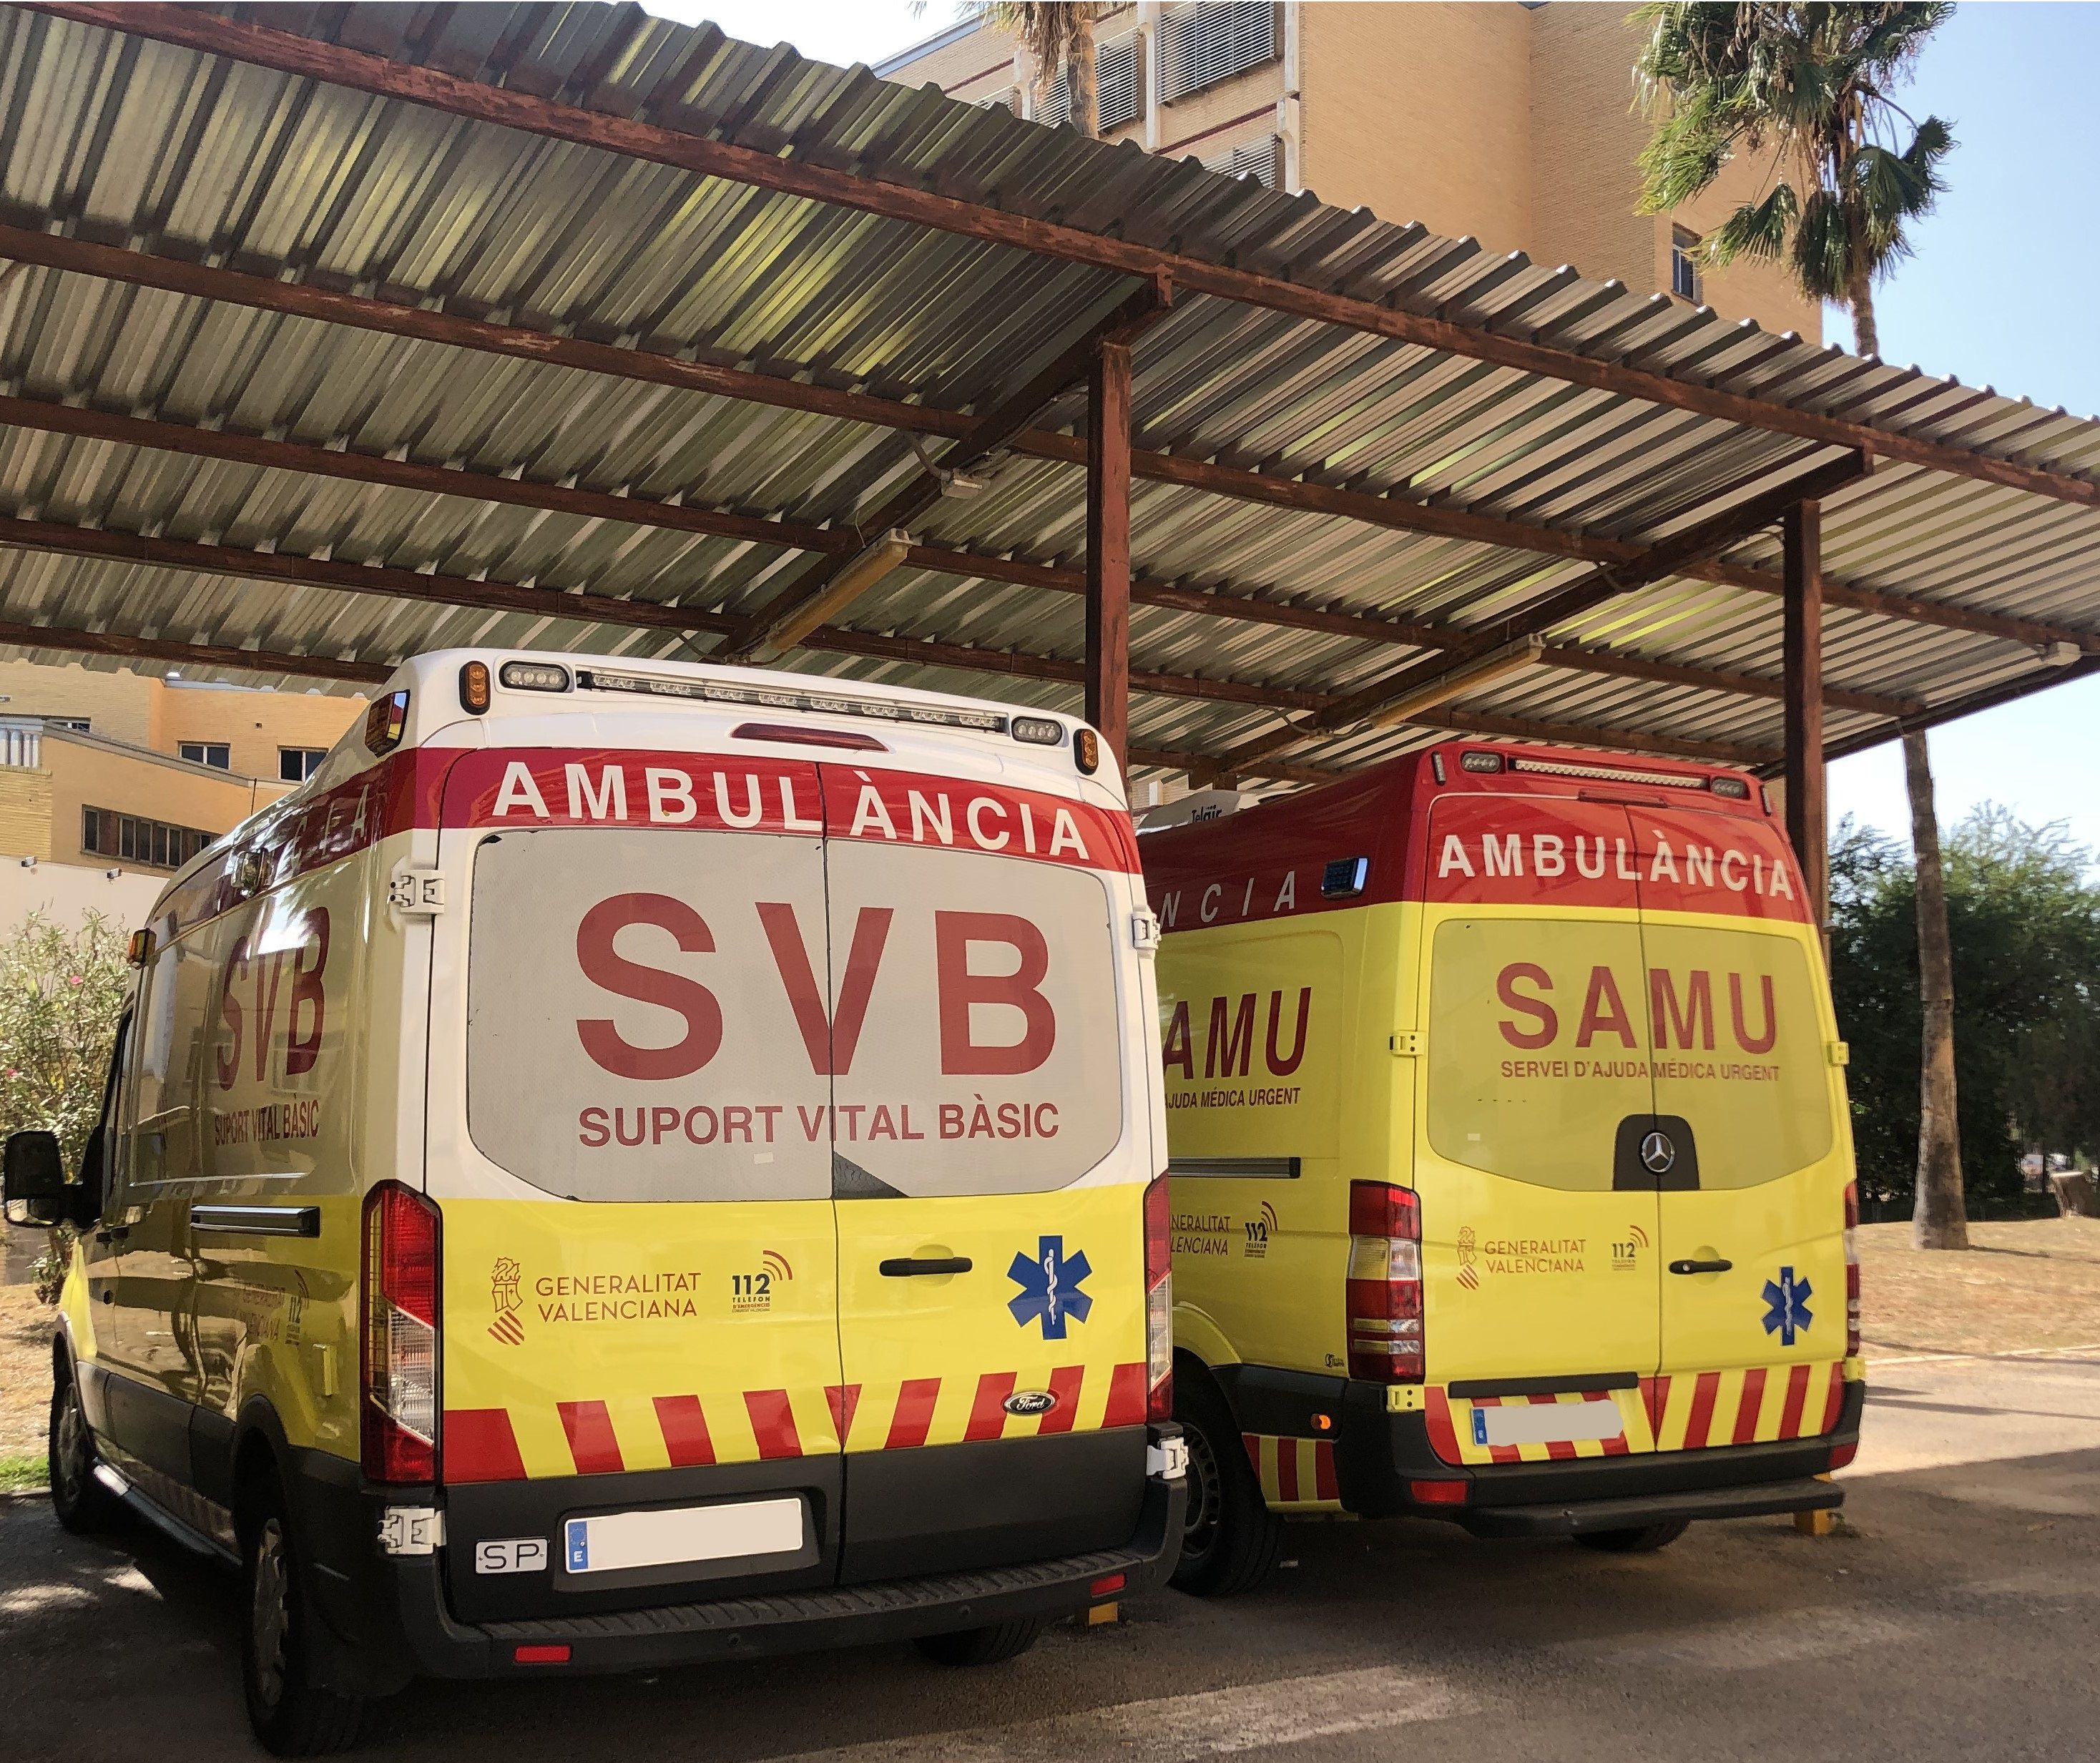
[1807, 1493]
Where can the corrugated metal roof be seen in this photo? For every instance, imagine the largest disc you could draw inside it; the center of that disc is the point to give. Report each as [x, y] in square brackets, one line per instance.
[188, 155]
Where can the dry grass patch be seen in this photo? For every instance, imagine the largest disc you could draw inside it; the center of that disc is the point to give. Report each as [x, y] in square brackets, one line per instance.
[2026, 1284]
[26, 1372]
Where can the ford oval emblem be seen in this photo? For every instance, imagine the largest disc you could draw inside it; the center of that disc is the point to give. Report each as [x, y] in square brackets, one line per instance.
[1029, 1402]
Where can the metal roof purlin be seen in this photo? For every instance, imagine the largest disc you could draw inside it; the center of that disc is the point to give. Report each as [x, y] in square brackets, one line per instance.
[206, 33]
[1665, 558]
[802, 604]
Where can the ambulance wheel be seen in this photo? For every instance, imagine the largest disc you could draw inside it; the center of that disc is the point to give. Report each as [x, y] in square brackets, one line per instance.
[81, 1503]
[1230, 1540]
[291, 1715]
[982, 1646]
[1643, 1541]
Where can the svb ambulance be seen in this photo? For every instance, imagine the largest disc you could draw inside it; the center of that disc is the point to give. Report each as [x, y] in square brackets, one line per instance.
[1512, 1181]
[635, 1163]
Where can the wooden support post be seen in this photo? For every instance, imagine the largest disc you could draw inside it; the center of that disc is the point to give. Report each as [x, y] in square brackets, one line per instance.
[1108, 549]
[1807, 814]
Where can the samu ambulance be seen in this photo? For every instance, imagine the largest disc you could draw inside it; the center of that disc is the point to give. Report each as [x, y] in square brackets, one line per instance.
[635, 1163]
[1511, 1180]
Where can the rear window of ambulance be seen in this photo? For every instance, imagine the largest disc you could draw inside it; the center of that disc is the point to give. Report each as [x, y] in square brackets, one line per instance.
[1546, 1033]
[695, 1014]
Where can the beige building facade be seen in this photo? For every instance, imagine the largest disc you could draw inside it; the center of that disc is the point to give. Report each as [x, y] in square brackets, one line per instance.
[115, 771]
[1513, 124]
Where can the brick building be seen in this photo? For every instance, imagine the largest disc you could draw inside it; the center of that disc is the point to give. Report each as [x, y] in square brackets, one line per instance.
[1513, 124]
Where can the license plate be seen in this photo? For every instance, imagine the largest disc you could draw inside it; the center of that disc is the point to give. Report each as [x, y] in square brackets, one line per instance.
[1588, 1422]
[612, 1541]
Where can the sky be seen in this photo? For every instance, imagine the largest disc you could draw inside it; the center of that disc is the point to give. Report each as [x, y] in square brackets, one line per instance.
[1998, 293]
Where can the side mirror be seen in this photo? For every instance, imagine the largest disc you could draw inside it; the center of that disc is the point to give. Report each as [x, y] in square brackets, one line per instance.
[32, 1176]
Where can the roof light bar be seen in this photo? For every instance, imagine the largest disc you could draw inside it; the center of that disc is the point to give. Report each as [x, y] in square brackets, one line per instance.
[773, 697]
[1559, 768]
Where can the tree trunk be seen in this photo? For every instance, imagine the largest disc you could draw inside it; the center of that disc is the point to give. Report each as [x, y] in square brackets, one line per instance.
[1860, 296]
[1086, 85]
[1939, 1218]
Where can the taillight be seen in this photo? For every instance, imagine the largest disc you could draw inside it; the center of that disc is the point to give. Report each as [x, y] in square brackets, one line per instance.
[1851, 1270]
[398, 1358]
[1158, 1307]
[1385, 1283]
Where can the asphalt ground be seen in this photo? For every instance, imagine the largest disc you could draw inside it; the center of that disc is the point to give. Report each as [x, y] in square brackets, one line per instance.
[1955, 1615]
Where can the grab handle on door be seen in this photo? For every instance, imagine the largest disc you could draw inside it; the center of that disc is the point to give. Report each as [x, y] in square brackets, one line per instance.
[912, 1266]
[1700, 1266]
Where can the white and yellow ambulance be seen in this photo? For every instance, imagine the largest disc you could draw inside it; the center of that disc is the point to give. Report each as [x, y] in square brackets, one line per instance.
[1511, 1177]
[635, 1163]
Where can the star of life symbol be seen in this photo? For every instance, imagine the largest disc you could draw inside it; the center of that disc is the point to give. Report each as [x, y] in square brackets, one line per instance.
[503, 1290]
[1789, 1313]
[1050, 1288]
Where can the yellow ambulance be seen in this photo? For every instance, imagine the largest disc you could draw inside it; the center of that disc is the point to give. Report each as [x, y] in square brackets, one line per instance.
[635, 1163]
[1511, 1178]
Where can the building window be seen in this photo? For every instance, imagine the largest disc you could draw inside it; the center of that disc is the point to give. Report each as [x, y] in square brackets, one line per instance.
[1119, 94]
[1260, 160]
[79, 723]
[295, 765]
[216, 754]
[1202, 44]
[1684, 265]
[136, 839]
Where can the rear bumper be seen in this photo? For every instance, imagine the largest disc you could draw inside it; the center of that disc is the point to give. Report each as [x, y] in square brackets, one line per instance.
[1379, 1456]
[391, 1619]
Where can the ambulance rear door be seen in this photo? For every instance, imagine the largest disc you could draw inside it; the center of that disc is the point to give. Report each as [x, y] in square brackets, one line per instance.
[1751, 1164]
[629, 1147]
[990, 1144]
[1539, 1236]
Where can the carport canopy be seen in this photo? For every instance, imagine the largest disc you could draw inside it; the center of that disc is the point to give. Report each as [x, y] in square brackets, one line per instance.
[333, 334]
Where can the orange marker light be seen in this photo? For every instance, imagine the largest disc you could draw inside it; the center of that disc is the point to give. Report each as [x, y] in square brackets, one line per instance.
[474, 688]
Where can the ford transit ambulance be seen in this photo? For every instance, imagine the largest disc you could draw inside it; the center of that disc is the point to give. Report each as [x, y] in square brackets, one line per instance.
[1511, 1180]
[635, 1163]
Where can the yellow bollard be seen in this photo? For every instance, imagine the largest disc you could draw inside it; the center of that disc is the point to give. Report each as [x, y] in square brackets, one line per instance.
[1819, 1524]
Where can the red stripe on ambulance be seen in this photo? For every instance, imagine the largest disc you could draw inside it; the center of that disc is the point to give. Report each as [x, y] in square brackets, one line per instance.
[988, 1411]
[773, 1421]
[591, 1443]
[844, 1398]
[1750, 1404]
[1065, 1385]
[480, 1446]
[914, 1418]
[1703, 1394]
[1796, 1398]
[1126, 1397]
[685, 1430]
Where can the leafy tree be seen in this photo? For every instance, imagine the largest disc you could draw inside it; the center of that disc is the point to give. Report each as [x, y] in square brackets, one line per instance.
[1808, 84]
[2023, 911]
[60, 991]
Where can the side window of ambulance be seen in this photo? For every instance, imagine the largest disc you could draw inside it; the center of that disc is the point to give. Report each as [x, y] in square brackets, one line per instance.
[644, 1014]
[1538, 1042]
[1739, 1051]
[158, 1107]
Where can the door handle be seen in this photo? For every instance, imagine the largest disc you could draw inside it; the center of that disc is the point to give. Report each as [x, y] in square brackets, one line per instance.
[913, 1267]
[1700, 1266]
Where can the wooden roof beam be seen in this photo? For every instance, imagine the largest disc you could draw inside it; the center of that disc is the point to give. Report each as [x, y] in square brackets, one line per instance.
[1298, 495]
[629, 137]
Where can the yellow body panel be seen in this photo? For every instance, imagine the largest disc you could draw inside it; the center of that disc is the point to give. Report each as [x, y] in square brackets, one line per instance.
[1528, 1273]
[576, 1321]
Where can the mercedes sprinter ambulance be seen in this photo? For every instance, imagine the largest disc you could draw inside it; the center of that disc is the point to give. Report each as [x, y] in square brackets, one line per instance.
[635, 1163]
[1511, 1180]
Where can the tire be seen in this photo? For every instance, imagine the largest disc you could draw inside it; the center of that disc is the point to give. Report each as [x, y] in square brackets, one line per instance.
[982, 1646]
[291, 1715]
[1230, 1540]
[1643, 1541]
[82, 1505]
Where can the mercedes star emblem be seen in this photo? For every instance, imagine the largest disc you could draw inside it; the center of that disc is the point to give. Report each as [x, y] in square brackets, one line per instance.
[1657, 1153]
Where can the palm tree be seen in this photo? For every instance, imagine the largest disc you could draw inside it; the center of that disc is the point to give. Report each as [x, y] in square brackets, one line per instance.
[1808, 84]
[1055, 35]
